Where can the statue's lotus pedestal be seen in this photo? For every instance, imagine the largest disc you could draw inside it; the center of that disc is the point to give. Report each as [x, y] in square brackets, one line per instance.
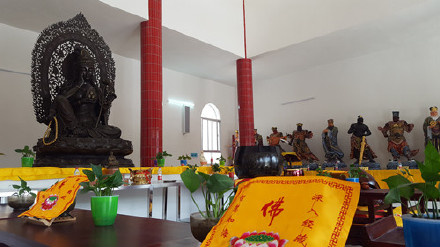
[81, 152]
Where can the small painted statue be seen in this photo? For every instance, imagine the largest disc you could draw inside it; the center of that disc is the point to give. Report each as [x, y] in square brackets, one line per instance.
[299, 144]
[258, 138]
[275, 137]
[394, 130]
[359, 130]
[431, 128]
[330, 143]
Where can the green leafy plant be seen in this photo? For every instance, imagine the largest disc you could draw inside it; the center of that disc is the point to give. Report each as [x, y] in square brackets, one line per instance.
[26, 152]
[216, 168]
[320, 172]
[184, 157]
[100, 184]
[162, 155]
[401, 187]
[228, 169]
[192, 167]
[213, 188]
[23, 188]
[221, 158]
[355, 172]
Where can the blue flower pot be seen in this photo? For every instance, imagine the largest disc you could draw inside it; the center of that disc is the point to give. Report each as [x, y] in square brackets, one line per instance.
[421, 232]
[356, 180]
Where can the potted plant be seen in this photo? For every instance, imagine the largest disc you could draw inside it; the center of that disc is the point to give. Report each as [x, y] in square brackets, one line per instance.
[213, 188]
[323, 173]
[23, 198]
[184, 159]
[221, 160]
[354, 173]
[27, 159]
[104, 204]
[160, 158]
[420, 228]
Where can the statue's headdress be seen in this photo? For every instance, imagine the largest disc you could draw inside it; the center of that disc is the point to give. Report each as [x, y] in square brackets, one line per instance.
[53, 61]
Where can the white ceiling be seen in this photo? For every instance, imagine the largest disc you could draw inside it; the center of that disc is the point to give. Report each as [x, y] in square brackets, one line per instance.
[283, 35]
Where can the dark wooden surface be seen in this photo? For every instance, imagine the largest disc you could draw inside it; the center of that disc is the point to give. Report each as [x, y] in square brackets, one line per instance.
[7, 212]
[373, 231]
[127, 231]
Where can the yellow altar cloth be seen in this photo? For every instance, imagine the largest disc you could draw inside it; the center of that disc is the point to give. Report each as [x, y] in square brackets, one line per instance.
[287, 211]
[40, 173]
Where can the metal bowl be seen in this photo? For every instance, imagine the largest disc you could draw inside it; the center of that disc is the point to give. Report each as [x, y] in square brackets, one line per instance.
[21, 203]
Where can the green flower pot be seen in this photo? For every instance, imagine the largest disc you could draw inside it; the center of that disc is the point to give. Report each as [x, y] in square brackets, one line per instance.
[104, 209]
[27, 161]
[161, 162]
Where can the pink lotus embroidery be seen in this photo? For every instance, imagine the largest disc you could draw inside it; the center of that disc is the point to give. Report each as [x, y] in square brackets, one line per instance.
[260, 239]
[49, 203]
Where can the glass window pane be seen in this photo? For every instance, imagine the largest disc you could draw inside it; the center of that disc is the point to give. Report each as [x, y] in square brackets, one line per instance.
[210, 135]
[211, 131]
[204, 134]
[214, 136]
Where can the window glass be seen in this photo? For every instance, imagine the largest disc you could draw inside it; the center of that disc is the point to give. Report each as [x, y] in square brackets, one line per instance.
[211, 133]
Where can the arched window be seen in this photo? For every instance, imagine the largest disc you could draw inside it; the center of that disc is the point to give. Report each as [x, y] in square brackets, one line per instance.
[211, 133]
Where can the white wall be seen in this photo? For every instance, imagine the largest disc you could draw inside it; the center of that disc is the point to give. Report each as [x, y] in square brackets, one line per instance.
[404, 78]
[18, 126]
[199, 91]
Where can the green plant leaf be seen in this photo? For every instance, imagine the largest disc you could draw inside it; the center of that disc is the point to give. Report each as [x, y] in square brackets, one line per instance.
[90, 175]
[219, 183]
[430, 168]
[97, 170]
[191, 180]
[429, 190]
[23, 183]
[203, 176]
[396, 180]
[404, 187]
[392, 196]
[117, 179]
[16, 186]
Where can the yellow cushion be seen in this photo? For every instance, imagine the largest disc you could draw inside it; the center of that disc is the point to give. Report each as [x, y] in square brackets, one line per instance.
[287, 211]
[55, 200]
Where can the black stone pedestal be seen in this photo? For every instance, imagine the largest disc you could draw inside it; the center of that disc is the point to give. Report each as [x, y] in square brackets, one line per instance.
[81, 152]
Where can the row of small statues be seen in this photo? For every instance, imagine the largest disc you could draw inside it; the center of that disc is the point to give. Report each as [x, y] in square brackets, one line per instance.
[393, 130]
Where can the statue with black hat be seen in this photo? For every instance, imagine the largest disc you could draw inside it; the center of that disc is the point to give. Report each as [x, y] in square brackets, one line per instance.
[359, 145]
[397, 144]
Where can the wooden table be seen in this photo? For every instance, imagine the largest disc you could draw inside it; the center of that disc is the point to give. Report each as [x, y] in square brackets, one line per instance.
[7, 212]
[127, 231]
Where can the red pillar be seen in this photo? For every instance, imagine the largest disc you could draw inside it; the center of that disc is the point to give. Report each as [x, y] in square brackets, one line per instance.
[151, 84]
[245, 102]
